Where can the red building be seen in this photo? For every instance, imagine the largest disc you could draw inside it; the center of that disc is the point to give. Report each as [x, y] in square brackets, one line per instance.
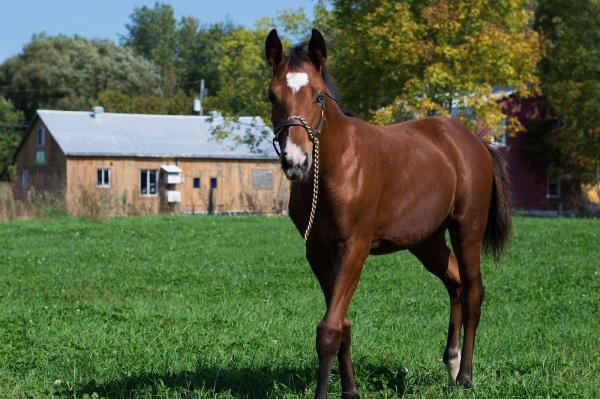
[536, 189]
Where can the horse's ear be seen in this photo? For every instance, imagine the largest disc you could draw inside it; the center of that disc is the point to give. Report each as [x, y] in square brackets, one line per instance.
[273, 49]
[317, 49]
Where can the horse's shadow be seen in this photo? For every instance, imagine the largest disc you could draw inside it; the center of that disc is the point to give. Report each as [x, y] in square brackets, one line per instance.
[238, 382]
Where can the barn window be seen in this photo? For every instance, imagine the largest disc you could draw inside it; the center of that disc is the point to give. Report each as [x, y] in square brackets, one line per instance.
[103, 177]
[41, 137]
[262, 178]
[213, 182]
[196, 182]
[149, 181]
[40, 157]
[552, 184]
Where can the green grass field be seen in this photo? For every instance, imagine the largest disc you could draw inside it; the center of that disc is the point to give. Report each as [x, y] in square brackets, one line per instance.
[185, 307]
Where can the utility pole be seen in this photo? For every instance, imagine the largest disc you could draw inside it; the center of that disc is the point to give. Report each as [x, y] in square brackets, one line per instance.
[199, 99]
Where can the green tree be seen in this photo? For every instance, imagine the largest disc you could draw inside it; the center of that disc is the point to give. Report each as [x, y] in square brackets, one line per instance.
[292, 23]
[570, 80]
[11, 131]
[117, 101]
[186, 51]
[394, 60]
[199, 54]
[243, 75]
[241, 72]
[152, 33]
[228, 57]
[68, 73]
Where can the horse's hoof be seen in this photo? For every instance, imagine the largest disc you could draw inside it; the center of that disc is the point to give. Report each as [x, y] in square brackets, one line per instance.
[464, 381]
[350, 395]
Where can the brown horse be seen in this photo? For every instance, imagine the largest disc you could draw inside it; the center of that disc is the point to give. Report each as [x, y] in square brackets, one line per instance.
[380, 190]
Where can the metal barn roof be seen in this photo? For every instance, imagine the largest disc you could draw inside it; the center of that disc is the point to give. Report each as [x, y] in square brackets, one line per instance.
[109, 134]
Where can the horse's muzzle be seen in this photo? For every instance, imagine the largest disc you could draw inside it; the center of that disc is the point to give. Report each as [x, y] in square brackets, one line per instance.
[294, 171]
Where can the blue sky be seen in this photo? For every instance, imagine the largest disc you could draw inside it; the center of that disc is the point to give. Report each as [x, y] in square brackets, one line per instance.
[20, 19]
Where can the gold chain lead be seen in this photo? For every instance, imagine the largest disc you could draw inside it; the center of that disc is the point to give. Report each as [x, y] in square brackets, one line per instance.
[313, 134]
[315, 193]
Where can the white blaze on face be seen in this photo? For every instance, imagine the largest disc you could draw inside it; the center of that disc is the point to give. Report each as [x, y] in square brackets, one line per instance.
[293, 153]
[453, 367]
[296, 80]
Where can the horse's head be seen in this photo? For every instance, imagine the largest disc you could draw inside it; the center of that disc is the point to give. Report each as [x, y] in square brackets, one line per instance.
[295, 91]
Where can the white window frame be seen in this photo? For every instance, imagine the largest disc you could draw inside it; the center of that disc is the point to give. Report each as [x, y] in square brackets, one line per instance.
[557, 181]
[104, 183]
[148, 194]
[41, 137]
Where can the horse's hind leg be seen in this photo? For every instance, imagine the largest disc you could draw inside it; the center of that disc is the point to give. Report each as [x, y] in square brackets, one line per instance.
[439, 260]
[466, 236]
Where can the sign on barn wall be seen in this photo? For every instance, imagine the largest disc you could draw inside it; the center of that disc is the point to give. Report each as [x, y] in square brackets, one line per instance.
[262, 178]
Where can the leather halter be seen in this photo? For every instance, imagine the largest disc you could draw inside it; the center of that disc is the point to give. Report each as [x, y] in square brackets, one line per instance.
[313, 135]
[296, 120]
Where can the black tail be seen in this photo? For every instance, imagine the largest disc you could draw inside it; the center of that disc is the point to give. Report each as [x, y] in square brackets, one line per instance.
[499, 224]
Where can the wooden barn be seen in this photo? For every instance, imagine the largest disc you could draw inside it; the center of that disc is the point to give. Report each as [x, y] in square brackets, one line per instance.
[151, 163]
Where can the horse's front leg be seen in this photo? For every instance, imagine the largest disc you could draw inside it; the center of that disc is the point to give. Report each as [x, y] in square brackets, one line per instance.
[349, 390]
[333, 332]
[322, 262]
[330, 341]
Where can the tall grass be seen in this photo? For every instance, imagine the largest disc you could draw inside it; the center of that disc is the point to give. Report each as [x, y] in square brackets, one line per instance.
[89, 204]
[96, 204]
[100, 205]
[34, 205]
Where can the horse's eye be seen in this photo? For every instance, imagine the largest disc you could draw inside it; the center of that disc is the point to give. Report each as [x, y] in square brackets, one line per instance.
[320, 99]
[271, 96]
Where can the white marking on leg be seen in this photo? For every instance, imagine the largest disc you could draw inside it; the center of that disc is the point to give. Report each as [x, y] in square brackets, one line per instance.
[293, 153]
[296, 80]
[453, 367]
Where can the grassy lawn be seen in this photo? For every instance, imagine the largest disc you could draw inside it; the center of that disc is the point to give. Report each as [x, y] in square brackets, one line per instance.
[185, 307]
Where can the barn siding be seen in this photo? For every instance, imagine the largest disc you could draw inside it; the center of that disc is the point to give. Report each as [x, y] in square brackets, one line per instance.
[47, 177]
[234, 192]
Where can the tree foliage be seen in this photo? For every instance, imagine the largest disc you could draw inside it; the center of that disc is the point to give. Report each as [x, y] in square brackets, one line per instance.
[185, 51]
[199, 54]
[228, 57]
[394, 60]
[570, 79]
[11, 131]
[242, 74]
[117, 101]
[68, 73]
